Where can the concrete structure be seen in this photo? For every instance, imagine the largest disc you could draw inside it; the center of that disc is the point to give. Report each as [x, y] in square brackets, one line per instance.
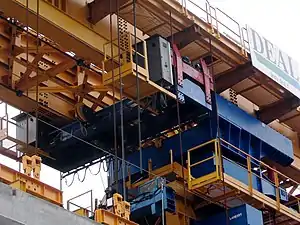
[17, 207]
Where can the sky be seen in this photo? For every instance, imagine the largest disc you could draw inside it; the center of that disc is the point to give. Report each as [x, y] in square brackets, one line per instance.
[277, 20]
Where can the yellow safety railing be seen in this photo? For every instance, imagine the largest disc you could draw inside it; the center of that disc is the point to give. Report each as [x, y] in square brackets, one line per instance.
[218, 21]
[122, 50]
[194, 182]
[277, 179]
[121, 62]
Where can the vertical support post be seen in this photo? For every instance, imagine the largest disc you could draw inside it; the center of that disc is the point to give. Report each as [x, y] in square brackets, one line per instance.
[189, 170]
[217, 158]
[92, 208]
[171, 156]
[162, 205]
[207, 81]
[208, 12]
[177, 61]
[217, 22]
[150, 168]
[277, 190]
[60, 181]
[146, 58]
[250, 186]
[129, 177]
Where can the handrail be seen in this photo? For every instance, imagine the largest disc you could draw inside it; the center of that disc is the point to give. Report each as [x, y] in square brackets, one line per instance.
[124, 50]
[260, 162]
[210, 18]
[69, 202]
[215, 157]
[278, 176]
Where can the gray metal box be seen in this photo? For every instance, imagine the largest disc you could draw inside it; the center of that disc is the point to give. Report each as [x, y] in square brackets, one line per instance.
[159, 60]
[21, 128]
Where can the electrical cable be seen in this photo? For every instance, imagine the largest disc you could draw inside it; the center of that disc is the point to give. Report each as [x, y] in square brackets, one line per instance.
[102, 181]
[107, 167]
[179, 127]
[66, 182]
[216, 115]
[99, 169]
[116, 174]
[83, 130]
[162, 205]
[121, 106]
[37, 71]
[27, 63]
[84, 176]
[137, 86]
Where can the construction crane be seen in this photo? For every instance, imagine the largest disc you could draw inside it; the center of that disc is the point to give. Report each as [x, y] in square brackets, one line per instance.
[196, 121]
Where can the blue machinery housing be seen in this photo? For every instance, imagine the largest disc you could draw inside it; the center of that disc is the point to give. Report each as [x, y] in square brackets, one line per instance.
[236, 127]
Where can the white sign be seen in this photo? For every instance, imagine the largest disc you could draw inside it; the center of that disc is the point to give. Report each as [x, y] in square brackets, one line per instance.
[273, 62]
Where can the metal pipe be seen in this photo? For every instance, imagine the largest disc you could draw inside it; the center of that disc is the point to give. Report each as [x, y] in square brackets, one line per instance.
[60, 181]
[37, 72]
[80, 195]
[137, 87]
[162, 205]
[92, 201]
[121, 106]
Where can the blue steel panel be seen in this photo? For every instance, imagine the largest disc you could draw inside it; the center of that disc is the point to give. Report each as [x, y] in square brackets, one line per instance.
[193, 92]
[239, 118]
[242, 215]
[240, 174]
[258, 182]
[204, 168]
[161, 156]
[276, 146]
[149, 200]
[254, 216]
[268, 188]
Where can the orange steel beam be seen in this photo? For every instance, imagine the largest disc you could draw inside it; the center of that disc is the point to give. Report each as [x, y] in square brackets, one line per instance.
[185, 37]
[277, 109]
[25, 84]
[26, 104]
[98, 9]
[236, 75]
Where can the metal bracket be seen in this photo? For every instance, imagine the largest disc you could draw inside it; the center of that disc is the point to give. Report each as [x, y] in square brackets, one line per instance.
[207, 77]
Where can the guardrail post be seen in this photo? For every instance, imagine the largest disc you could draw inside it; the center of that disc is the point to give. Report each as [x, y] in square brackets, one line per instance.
[277, 190]
[219, 167]
[150, 168]
[189, 169]
[249, 175]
